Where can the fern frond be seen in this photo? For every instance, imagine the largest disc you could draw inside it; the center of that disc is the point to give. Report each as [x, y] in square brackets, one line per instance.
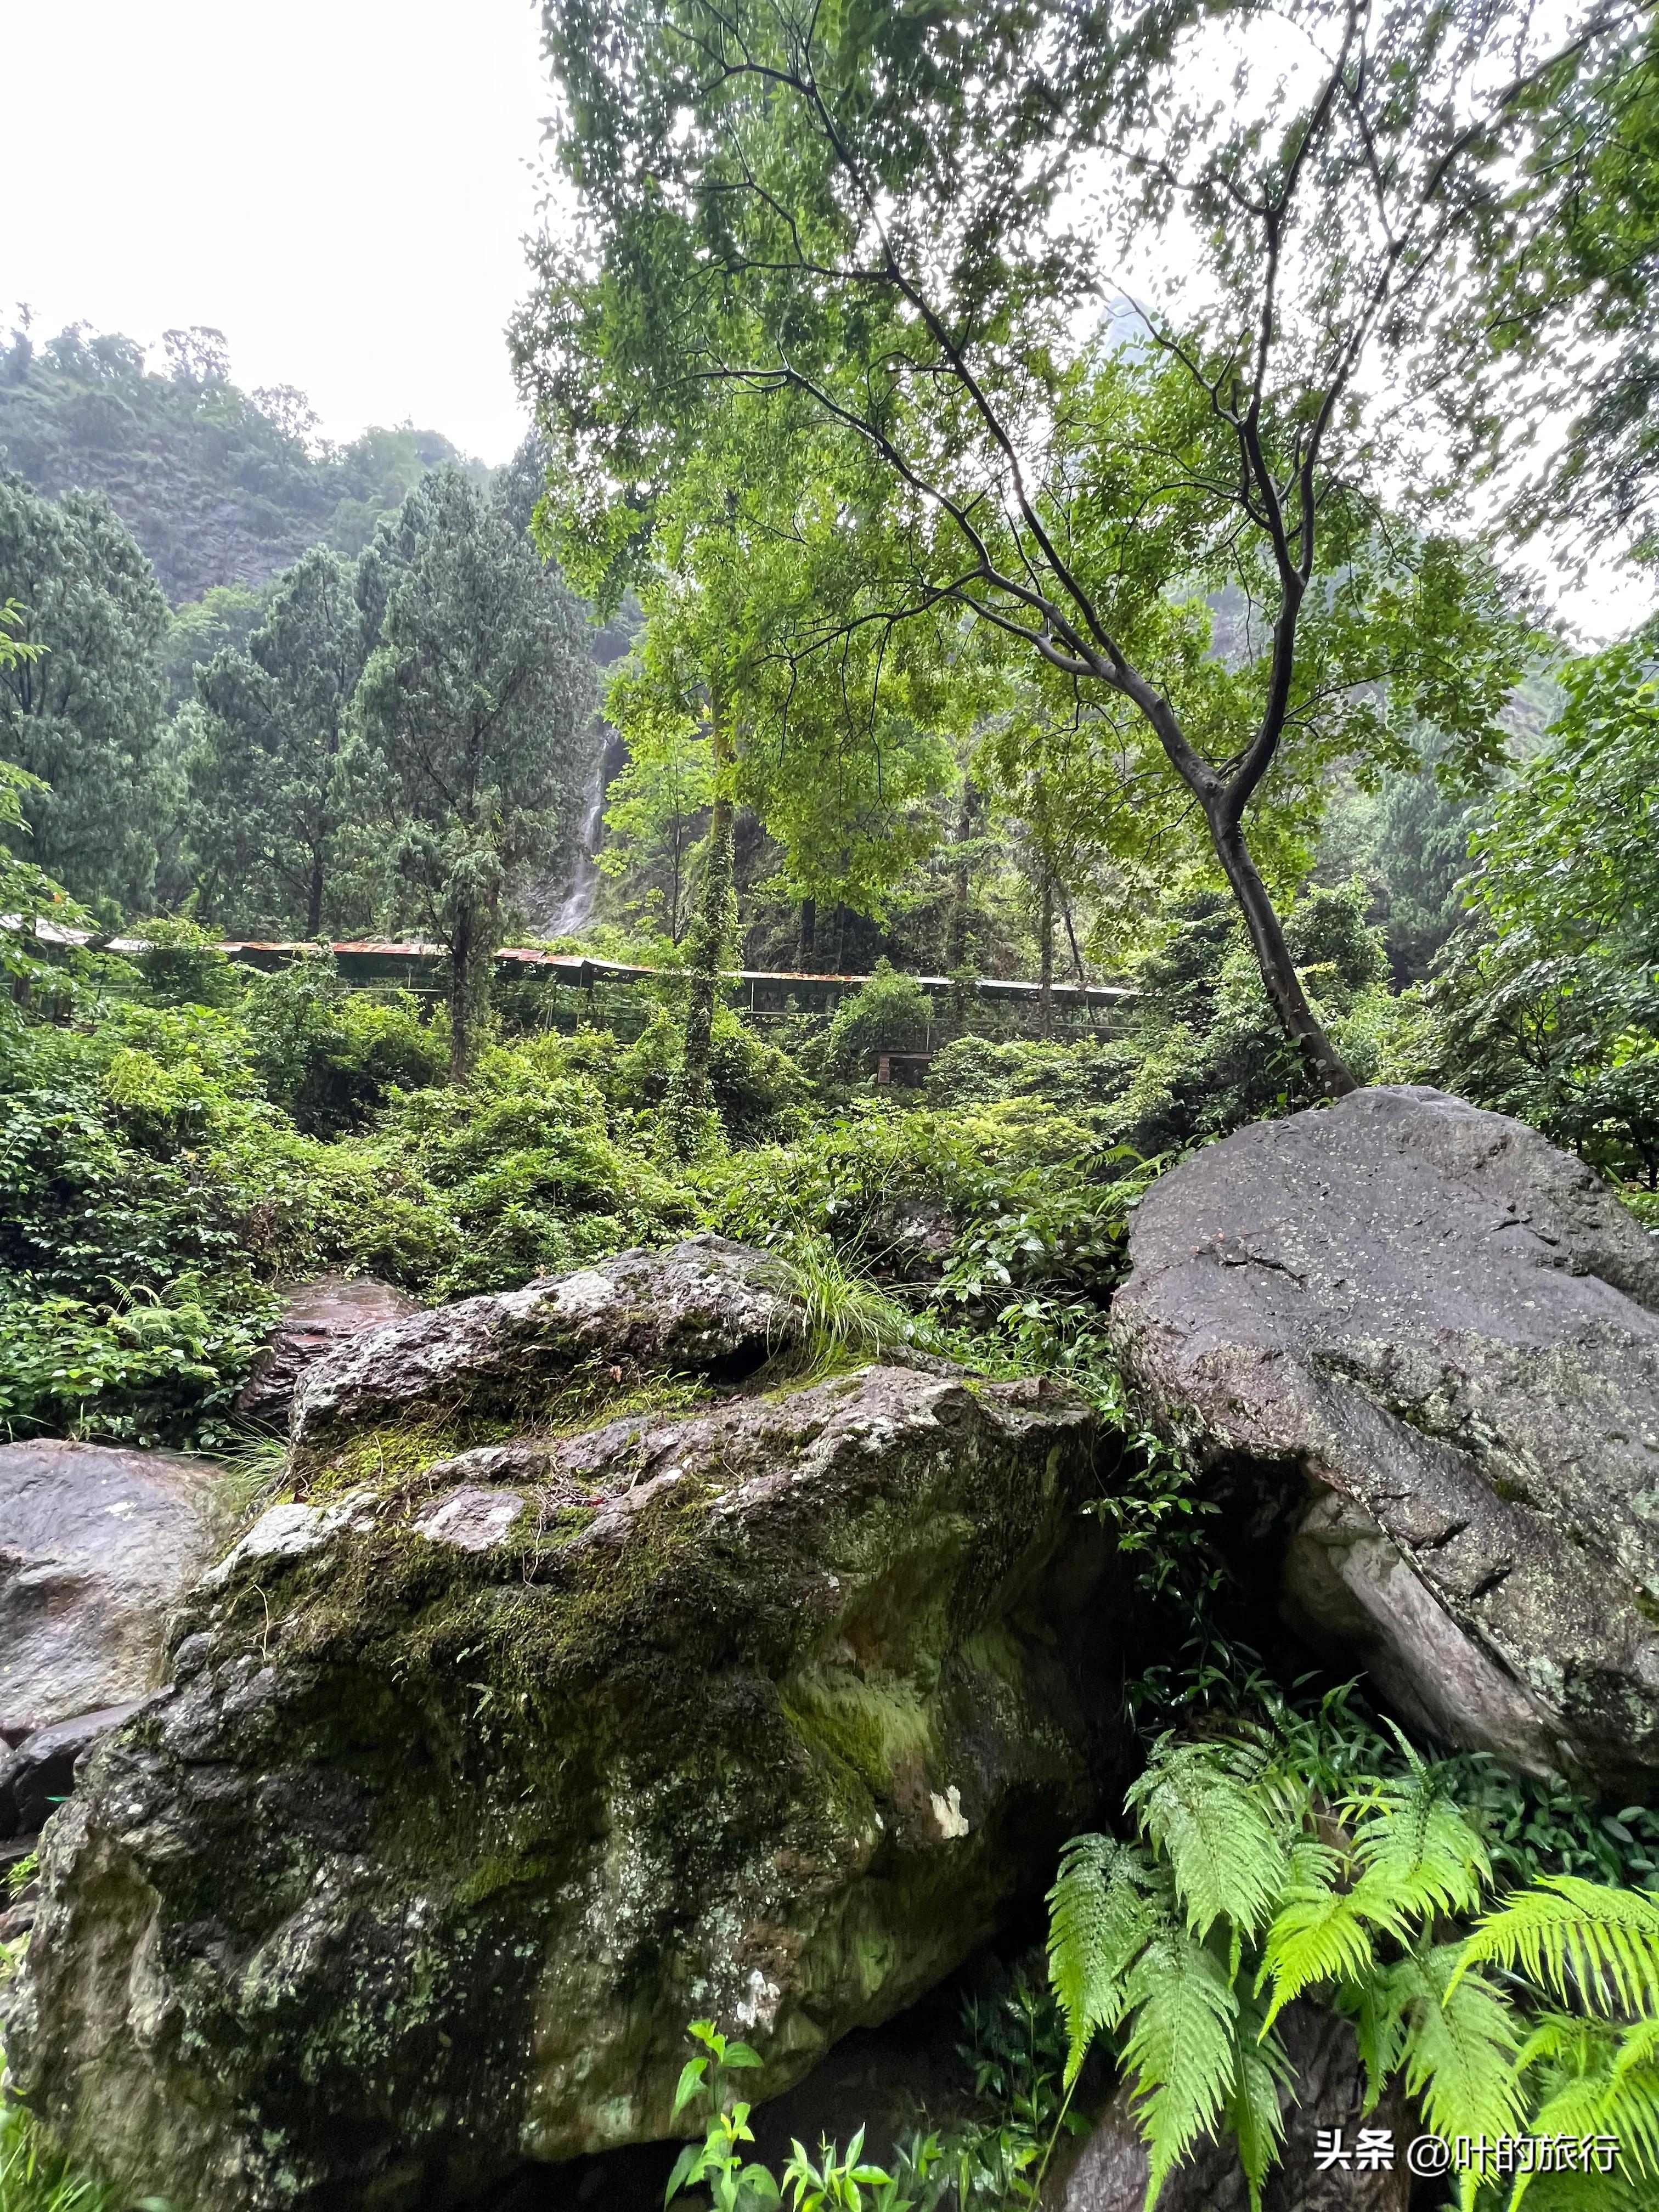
[1415, 1843]
[1460, 2050]
[1100, 1913]
[1181, 2048]
[1199, 1804]
[1324, 1935]
[1592, 2080]
[1579, 1940]
[1376, 2006]
[1254, 2107]
[1632, 2111]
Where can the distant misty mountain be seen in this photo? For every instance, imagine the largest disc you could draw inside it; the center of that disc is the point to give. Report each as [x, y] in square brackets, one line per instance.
[219, 486]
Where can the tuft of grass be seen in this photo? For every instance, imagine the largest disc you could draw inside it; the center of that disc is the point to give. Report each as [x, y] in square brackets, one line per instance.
[846, 1318]
[36, 2177]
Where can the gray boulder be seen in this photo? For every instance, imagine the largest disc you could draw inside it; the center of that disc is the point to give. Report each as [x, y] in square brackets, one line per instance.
[317, 1318]
[482, 1778]
[1423, 1344]
[96, 1544]
[553, 1349]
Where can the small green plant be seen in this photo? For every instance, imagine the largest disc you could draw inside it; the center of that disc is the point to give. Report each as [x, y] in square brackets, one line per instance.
[846, 1316]
[1015, 2047]
[1249, 1885]
[717, 2164]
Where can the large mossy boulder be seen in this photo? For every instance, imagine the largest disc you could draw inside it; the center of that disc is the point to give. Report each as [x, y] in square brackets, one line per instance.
[1421, 1347]
[482, 1774]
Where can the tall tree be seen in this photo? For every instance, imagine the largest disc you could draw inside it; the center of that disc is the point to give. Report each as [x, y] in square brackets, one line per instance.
[85, 713]
[28, 897]
[264, 750]
[471, 708]
[874, 219]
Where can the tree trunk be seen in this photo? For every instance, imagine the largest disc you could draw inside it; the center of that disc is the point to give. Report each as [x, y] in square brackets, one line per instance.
[1284, 986]
[461, 997]
[690, 1096]
[808, 949]
[955, 943]
[315, 895]
[1046, 959]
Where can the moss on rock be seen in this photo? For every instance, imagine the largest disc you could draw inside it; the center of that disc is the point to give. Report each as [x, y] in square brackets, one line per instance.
[478, 1780]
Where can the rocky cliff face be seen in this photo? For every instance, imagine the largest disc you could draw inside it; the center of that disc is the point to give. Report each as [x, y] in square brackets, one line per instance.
[485, 1768]
[1425, 1345]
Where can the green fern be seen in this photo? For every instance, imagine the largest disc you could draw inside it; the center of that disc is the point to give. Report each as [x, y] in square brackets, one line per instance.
[1101, 1915]
[1182, 2047]
[1214, 1811]
[1250, 1889]
[1253, 2106]
[1460, 2048]
[1323, 1934]
[1414, 1846]
[1578, 1941]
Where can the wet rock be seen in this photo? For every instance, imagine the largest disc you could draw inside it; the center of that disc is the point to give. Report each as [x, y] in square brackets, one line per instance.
[96, 1544]
[1425, 1344]
[706, 1308]
[317, 1318]
[39, 1773]
[455, 1818]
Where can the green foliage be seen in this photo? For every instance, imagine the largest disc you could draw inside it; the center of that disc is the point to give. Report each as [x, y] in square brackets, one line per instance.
[1548, 1005]
[756, 1088]
[36, 2177]
[522, 1173]
[1152, 551]
[182, 965]
[331, 1058]
[846, 1317]
[1212, 1055]
[716, 2165]
[81, 711]
[1259, 1875]
[262, 745]
[890, 1013]
[221, 621]
[471, 710]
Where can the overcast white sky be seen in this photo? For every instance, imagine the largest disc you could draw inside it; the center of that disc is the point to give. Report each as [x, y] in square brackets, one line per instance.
[341, 186]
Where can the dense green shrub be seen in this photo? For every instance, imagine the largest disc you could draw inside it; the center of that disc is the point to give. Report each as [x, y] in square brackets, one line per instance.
[1078, 1078]
[890, 1013]
[524, 1168]
[331, 1058]
[1212, 1055]
[756, 1087]
[181, 965]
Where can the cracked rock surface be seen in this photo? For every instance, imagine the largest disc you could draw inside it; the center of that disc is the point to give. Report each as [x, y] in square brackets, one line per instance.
[479, 1779]
[1428, 1342]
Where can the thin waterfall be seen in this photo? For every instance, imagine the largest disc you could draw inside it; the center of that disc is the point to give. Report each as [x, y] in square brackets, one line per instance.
[576, 906]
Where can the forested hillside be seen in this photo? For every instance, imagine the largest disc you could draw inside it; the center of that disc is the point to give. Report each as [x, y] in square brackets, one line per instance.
[219, 486]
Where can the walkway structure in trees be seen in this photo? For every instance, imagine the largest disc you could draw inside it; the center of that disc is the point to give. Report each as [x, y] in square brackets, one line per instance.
[368, 961]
